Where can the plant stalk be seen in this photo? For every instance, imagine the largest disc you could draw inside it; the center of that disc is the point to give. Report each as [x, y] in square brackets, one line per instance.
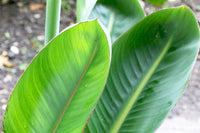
[52, 23]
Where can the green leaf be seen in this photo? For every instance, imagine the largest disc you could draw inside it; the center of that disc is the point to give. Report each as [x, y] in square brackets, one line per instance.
[117, 15]
[63, 83]
[156, 2]
[150, 67]
[83, 9]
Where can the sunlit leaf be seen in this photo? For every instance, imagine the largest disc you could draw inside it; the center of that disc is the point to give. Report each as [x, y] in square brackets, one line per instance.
[63, 83]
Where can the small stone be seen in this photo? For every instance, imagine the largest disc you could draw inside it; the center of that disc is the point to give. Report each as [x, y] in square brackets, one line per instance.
[4, 53]
[23, 10]
[3, 92]
[11, 55]
[14, 49]
[8, 78]
[40, 37]
[37, 16]
[4, 1]
[4, 107]
[3, 100]
[14, 71]
[184, 107]
[20, 4]
[15, 44]
[28, 29]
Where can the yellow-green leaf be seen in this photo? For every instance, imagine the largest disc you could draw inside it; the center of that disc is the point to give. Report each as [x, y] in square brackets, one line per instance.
[63, 83]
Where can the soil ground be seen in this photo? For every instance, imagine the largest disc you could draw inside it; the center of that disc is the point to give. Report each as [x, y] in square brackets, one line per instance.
[22, 35]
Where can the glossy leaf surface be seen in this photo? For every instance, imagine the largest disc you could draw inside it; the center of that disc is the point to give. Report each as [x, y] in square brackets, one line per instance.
[117, 15]
[150, 68]
[61, 86]
[156, 2]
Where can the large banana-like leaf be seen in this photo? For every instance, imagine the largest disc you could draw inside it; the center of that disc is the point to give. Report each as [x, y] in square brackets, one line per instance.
[150, 67]
[63, 83]
[116, 15]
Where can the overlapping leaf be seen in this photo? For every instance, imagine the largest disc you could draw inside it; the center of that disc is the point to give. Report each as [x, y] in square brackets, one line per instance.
[61, 86]
[116, 15]
[150, 67]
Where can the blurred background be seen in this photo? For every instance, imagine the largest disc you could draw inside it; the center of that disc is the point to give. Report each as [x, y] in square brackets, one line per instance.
[22, 36]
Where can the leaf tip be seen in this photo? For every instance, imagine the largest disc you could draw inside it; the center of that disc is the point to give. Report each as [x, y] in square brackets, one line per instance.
[185, 8]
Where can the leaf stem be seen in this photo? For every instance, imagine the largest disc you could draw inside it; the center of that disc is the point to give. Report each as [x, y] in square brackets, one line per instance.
[52, 23]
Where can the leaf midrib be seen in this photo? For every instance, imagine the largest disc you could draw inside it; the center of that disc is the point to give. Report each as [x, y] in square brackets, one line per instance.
[76, 87]
[135, 94]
